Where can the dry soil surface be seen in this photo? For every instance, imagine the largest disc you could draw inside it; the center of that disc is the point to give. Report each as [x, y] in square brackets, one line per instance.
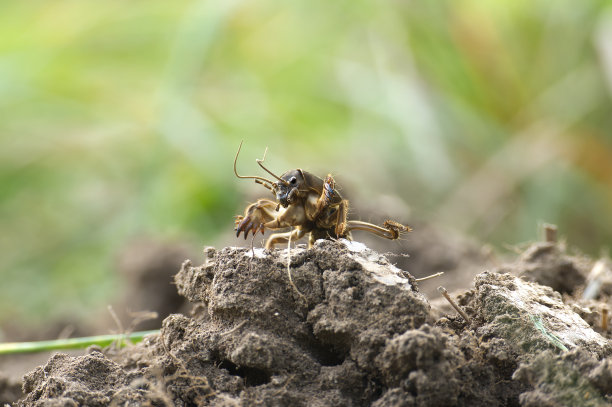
[339, 325]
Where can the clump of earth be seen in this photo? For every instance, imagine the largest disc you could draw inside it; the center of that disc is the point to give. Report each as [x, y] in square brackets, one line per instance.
[339, 325]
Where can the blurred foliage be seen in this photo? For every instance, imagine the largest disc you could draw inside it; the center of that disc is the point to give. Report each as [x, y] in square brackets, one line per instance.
[120, 119]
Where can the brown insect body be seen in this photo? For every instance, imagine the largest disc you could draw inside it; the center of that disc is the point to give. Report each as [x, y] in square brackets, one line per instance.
[307, 204]
[306, 191]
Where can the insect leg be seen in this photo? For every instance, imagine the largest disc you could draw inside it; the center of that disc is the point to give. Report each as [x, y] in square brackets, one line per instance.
[327, 194]
[341, 222]
[390, 229]
[256, 217]
[279, 238]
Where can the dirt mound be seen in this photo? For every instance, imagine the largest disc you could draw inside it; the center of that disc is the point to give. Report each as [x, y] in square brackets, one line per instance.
[340, 326]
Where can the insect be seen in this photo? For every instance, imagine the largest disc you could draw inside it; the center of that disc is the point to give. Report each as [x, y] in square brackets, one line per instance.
[307, 204]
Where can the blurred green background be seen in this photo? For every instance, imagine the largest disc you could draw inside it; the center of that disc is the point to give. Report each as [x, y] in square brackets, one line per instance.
[121, 119]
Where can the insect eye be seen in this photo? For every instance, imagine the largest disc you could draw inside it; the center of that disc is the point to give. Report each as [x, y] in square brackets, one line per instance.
[293, 180]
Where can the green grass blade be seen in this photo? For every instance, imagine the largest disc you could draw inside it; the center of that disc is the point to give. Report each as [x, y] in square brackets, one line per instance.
[72, 343]
[552, 338]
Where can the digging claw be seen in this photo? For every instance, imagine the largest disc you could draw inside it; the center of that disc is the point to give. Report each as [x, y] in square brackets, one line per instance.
[247, 225]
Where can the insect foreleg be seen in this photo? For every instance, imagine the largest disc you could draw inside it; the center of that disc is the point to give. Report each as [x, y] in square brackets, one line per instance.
[326, 196]
[256, 217]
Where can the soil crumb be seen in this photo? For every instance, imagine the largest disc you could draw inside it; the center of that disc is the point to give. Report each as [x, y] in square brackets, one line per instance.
[339, 325]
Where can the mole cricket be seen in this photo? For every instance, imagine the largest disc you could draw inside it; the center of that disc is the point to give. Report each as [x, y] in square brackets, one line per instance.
[307, 204]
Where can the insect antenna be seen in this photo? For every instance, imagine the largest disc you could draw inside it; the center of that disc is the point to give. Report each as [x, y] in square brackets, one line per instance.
[260, 162]
[260, 180]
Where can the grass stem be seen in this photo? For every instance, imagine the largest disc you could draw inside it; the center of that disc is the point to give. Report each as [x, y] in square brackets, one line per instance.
[10, 348]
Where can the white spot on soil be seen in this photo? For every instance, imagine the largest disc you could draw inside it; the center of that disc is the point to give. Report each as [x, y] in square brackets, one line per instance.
[258, 251]
[377, 265]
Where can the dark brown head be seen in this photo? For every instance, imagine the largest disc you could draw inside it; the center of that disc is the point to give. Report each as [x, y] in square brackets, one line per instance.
[292, 182]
